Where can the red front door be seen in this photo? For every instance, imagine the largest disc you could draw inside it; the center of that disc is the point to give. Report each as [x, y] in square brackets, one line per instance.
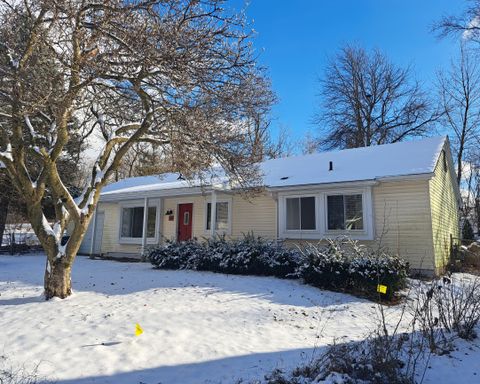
[184, 222]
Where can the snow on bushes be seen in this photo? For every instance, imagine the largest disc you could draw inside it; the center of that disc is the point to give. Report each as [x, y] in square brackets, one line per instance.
[248, 256]
[341, 265]
[345, 265]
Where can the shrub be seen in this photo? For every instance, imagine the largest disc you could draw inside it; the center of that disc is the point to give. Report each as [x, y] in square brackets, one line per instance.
[248, 256]
[19, 375]
[446, 309]
[183, 255]
[345, 265]
[342, 265]
[376, 360]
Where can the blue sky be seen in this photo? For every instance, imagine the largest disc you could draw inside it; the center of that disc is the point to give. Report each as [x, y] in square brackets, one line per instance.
[295, 39]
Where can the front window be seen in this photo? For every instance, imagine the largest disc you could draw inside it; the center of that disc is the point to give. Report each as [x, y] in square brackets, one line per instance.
[132, 222]
[300, 213]
[345, 212]
[221, 220]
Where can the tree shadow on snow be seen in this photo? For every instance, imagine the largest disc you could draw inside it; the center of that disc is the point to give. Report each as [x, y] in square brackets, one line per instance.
[226, 370]
[22, 300]
[112, 278]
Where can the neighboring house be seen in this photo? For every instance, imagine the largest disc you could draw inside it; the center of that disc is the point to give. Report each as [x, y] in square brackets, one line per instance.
[401, 196]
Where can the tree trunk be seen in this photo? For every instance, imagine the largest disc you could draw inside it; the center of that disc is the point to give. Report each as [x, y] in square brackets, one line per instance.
[58, 281]
[4, 203]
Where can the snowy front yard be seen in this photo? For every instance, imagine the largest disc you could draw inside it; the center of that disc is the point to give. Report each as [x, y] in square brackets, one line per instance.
[198, 327]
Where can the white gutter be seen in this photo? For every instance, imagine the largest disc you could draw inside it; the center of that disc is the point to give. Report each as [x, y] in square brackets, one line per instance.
[419, 176]
[307, 187]
[155, 193]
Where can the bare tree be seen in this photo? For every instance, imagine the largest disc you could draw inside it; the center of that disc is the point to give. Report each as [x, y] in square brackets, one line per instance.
[264, 145]
[460, 101]
[367, 100]
[466, 24]
[179, 74]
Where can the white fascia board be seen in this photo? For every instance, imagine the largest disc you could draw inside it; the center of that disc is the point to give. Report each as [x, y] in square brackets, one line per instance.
[309, 187]
[419, 176]
[120, 196]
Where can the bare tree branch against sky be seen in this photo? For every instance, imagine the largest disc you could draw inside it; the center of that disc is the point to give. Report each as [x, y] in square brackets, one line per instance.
[295, 40]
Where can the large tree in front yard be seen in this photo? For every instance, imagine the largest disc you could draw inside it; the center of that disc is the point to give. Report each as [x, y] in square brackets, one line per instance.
[178, 74]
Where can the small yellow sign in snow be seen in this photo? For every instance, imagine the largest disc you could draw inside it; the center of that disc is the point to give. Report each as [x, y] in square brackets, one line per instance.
[382, 289]
[138, 330]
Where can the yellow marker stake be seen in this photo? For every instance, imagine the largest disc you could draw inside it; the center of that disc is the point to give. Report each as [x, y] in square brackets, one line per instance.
[138, 330]
[382, 289]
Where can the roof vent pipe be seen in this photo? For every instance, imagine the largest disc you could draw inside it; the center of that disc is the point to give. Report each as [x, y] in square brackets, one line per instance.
[330, 166]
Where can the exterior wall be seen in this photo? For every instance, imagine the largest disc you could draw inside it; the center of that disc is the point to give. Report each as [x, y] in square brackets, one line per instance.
[445, 211]
[402, 223]
[110, 241]
[170, 227]
[257, 214]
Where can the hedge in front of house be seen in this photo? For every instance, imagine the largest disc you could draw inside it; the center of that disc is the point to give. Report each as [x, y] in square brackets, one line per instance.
[248, 256]
[344, 265]
[181, 255]
[341, 265]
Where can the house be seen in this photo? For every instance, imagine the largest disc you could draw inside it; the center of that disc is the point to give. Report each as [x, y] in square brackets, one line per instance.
[401, 196]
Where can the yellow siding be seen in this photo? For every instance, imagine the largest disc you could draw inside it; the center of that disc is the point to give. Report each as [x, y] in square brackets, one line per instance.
[170, 227]
[110, 241]
[257, 214]
[445, 214]
[403, 221]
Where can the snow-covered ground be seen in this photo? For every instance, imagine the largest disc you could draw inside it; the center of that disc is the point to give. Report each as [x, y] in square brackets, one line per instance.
[198, 327]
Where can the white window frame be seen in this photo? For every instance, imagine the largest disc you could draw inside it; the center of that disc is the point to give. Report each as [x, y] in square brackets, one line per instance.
[228, 231]
[137, 204]
[298, 233]
[321, 212]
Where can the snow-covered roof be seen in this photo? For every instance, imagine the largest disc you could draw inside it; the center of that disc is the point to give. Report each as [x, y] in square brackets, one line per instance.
[368, 163]
[398, 160]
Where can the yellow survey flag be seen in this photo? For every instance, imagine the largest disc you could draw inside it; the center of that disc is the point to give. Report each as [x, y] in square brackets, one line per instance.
[138, 330]
[382, 289]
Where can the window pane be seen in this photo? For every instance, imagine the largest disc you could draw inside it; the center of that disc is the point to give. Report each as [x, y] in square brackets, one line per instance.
[293, 213]
[307, 209]
[152, 216]
[336, 218]
[353, 212]
[209, 215]
[137, 222]
[132, 222]
[222, 216]
[126, 222]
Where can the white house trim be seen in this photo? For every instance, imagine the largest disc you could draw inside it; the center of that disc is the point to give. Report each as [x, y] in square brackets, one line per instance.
[140, 203]
[321, 230]
[214, 200]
